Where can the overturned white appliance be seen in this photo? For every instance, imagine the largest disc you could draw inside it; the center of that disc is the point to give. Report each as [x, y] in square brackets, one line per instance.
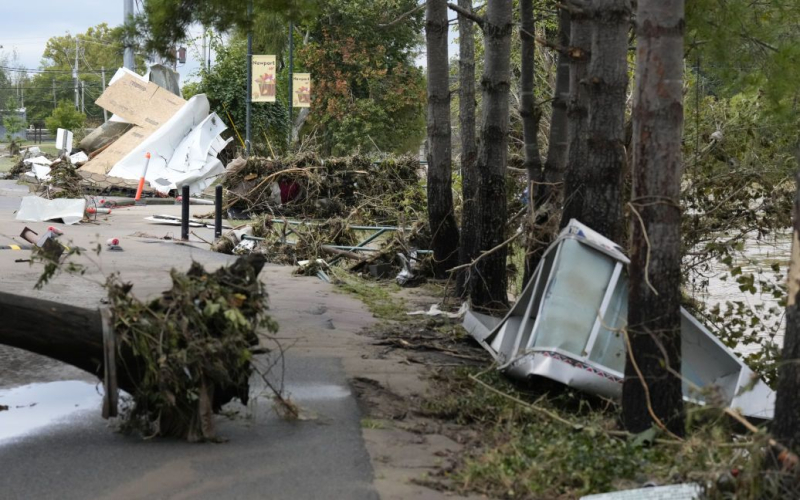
[567, 324]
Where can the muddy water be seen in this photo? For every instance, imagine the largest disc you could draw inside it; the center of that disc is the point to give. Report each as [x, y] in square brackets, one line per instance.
[35, 407]
[757, 255]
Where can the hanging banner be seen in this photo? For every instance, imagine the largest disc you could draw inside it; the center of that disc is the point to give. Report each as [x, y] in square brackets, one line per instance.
[263, 78]
[302, 90]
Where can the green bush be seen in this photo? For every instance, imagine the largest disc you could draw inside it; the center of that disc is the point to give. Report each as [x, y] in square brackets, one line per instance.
[65, 116]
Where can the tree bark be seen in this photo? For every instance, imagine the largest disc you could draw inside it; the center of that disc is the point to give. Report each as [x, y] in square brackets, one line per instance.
[785, 426]
[470, 242]
[606, 83]
[440, 195]
[489, 290]
[654, 355]
[546, 196]
[578, 114]
[530, 125]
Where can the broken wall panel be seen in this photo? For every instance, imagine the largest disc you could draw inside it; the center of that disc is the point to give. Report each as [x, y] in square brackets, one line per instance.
[569, 326]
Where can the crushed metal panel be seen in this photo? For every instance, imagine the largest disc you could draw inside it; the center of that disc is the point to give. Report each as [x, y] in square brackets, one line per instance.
[567, 325]
[36, 209]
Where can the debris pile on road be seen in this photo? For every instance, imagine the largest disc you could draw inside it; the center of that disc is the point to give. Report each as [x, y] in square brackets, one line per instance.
[192, 347]
[359, 188]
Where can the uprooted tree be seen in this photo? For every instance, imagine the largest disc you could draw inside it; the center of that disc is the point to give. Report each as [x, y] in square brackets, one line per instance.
[180, 357]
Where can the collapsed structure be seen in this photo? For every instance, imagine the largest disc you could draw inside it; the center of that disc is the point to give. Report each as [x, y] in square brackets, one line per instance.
[569, 322]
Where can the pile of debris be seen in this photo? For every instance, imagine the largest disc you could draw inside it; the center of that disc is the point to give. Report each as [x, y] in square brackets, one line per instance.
[191, 349]
[359, 188]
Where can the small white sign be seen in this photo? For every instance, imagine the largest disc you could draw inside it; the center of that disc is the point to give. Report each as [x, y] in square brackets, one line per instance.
[64, 140]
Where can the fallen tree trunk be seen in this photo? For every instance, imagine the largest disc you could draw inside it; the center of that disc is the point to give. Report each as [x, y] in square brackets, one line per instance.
[73, 335]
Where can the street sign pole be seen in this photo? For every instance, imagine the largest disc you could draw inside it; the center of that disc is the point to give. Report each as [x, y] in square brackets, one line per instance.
[249, 76]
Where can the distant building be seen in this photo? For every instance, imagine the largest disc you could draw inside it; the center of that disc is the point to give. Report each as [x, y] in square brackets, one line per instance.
[20, 113]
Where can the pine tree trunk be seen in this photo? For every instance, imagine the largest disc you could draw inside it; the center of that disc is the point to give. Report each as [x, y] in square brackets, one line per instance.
[578, 116]
[654, 318]
[440, 194]
[489, 288]
[607, 84]
[470, 242]
[530, 126]
[785, 426]
[546, 197]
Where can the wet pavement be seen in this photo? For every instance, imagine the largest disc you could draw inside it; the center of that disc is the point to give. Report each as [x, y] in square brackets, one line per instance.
[54, 443]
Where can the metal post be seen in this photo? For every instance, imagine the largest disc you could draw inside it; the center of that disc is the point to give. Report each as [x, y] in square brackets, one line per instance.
[185, 213]
[249, 78]
[205, 66]
[218, 212]
[55, 99]
[128, 60]
[75, 73]
[103, 73]
[83, 97]
[291, 81]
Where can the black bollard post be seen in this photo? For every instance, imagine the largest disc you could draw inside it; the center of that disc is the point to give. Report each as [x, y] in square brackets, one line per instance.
[218, 212]
[185, 213]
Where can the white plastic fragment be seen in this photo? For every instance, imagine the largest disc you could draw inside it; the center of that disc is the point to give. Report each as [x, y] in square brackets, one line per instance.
[36, 209]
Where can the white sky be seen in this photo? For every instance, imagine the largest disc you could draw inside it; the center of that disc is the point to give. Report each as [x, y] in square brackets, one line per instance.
[25, 26]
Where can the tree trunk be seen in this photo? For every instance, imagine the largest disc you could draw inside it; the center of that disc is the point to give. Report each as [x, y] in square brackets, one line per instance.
[546, 197]
[607, 84]
[530, 126]
[490, 285]
[653, 366]
[440, 194]
[578, 114]
[785, 426]
[470, 235]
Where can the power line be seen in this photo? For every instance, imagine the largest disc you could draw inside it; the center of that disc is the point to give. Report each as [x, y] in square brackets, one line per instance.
[41, 71]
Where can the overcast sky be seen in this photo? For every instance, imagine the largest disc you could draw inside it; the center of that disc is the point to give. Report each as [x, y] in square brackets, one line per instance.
[26, 25]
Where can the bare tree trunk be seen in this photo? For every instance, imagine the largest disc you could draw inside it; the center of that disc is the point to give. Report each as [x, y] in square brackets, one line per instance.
[651, 382]
[785, 426]
[578, 113]
[546, 197]
[531, 115]
[607, 84]
[489, 291]
[470, 242]
[440, 194]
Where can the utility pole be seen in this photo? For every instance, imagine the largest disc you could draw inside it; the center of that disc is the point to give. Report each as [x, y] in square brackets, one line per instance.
[127, 59]
[103, 74]
[75, 72]
[249, 78]
[55, 99]
[83, 97]
[205, 66]
[291, 81]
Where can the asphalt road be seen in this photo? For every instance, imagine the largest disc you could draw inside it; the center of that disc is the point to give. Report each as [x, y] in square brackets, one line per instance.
[54, 444]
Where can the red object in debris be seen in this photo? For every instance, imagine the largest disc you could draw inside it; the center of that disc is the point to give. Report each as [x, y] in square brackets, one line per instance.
[55, 230]
[92, 210]
[289, 190]
[113, 242]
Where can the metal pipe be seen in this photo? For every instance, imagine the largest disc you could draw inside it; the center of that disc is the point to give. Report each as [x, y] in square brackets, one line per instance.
[249, 78]
[128, 60]
[291, 82]
[185, 213]
[218, 212]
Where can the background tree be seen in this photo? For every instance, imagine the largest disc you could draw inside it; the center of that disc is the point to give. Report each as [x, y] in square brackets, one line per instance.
[469, 237]
[577, 111]
[606, 86]
[440, 172]
[652, 391]
[65, 116]
[489, 288]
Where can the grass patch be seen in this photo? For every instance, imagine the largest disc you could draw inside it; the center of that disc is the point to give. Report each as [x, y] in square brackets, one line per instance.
[379, 297]
[578, 449]
[370, 423]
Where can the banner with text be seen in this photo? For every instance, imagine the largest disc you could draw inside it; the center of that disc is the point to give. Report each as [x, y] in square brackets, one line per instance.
[263, 78]
[302, 90]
